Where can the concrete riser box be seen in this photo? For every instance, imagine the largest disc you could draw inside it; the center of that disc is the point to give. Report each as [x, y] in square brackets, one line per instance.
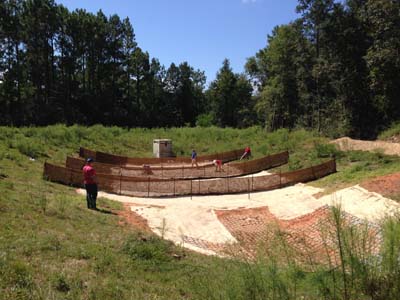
[162, 148]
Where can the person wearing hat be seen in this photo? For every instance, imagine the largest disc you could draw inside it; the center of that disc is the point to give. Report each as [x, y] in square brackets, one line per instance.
[89, 176]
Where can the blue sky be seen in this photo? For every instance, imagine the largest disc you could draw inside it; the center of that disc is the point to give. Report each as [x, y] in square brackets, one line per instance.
[201, 32]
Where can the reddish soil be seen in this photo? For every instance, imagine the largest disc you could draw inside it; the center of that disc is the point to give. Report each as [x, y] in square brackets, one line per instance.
[388, 185]
[130, 218]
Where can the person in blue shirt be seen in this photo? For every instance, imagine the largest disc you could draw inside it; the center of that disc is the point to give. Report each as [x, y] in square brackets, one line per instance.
[194, 158]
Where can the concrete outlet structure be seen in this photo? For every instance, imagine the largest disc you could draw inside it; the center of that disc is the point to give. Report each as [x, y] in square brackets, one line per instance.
[162, 148]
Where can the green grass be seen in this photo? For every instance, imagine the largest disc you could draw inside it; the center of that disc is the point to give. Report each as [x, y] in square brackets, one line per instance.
[394, 130]
[52, 247]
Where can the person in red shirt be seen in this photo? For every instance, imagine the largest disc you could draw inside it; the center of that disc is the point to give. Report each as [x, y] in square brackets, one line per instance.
[218, 165]
[89, 176]
[247, 153]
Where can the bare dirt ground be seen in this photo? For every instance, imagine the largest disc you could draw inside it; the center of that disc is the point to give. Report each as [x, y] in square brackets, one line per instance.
[388, 186]
[347, 144]
[128, 217]
[209, 224]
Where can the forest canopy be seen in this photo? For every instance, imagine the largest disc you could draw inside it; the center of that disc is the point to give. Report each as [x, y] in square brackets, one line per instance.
[335, 69]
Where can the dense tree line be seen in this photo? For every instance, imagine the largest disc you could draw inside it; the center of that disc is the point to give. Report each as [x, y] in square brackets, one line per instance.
[78, 67]
[335, 69]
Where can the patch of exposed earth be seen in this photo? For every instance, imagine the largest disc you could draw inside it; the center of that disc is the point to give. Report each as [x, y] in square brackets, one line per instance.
[209, 223]
[388, 185]
[348, 144]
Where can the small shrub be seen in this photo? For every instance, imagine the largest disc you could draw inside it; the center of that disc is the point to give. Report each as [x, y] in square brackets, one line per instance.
[20, 275]
[205, 120]
[326, 150]
[295, 164]
[149, 249]
[60, 283]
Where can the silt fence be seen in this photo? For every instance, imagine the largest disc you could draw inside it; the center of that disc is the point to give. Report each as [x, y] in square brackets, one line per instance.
[138, 161]
[181, 172]
[159, 187]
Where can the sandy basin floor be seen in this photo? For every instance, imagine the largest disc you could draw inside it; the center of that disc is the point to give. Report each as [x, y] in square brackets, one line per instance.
[185, 220]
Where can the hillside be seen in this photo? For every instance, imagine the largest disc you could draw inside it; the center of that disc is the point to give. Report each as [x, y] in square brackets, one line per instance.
[52, 247]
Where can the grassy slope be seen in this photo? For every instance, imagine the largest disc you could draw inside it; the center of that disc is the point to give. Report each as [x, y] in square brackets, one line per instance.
[51, 247]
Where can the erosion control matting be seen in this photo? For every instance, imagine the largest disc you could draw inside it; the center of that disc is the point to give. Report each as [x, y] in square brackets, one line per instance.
[208, 223]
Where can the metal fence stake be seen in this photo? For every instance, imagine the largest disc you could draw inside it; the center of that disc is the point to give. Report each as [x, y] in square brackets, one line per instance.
[120, 180]
[248, 187]
[148, 187]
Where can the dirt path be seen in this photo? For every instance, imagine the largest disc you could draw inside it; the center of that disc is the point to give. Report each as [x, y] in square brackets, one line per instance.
[347, 144]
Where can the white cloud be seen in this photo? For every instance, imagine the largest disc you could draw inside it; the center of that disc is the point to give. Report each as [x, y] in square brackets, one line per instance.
[249, 1]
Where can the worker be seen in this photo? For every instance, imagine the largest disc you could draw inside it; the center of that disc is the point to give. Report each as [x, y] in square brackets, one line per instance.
[89, 176]
[194, 158]
[247, 153]
[218, 165]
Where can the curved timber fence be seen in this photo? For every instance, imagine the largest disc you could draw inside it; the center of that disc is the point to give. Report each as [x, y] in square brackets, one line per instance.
[158, 187]
[123, 160]
[181, 172]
